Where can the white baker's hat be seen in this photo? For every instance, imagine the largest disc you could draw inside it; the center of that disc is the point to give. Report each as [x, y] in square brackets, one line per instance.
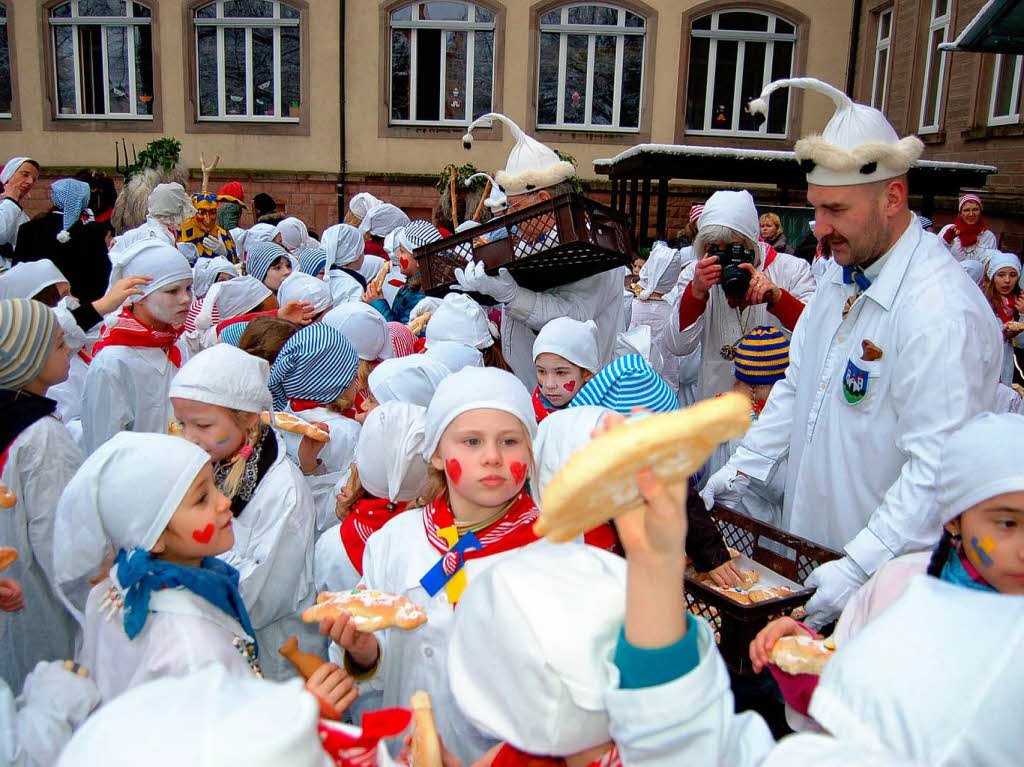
[530, 166]
[858, 145]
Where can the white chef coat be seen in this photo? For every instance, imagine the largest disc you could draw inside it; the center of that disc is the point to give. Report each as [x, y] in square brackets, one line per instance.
[597, 298]
[332, 567]
[986, 241]
[721, 324]
[273, 553]
[344, 287]
[861, 475]
[40, 462]
[370, 267]
[126, 390]
[11, 219]
[183, 633]
[656, 314]
[68, 396]
[148, 229]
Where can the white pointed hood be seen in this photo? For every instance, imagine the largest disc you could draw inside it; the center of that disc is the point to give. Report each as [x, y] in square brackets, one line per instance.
[858, 145]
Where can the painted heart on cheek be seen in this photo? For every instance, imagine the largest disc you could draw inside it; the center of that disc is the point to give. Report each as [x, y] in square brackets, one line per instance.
[204, 535]
[571, 386]
[405, 262]
[454, 470]
[518, 470]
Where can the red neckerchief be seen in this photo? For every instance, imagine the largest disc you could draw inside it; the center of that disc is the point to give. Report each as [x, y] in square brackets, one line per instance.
[969, 233]
[510, 756]
[403, 342]
[539, 410]
[359, 406]
[769, 256]
[193, 312]
[346, 749]
[604, 537]
[129, 331]
[298, 405]
[367, 516]
[1006, 311]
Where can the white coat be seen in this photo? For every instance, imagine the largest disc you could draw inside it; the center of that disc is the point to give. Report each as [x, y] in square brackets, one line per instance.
[126, 390]
[11, 219]
[182, 634]
[370, 267]
[656, 314]
[720, 324]
[40, 462]
[148, 229]
[344, 287]
[68, 396]
[332, 567]
[273, 553]
[864, 450]
[598, 298]
[986, 241]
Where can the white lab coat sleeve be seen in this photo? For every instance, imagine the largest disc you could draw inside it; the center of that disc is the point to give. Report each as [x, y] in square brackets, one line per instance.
[689, 720]
[11, 218]
[826, 751]
[799, 280]
[930, 408]
[683, 341]
[987, 240]
[535, 309]
[52, 704]
[106, 409]
[375, 561]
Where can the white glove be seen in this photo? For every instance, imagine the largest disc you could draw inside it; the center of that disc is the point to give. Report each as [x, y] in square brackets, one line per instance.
[428, 304]
[215, 245]
[835, 582]
[724, 482]
[502, 288]
[395, 282]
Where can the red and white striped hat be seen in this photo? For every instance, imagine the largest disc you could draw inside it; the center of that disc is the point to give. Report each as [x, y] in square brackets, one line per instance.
[968, 198]
[695, 210]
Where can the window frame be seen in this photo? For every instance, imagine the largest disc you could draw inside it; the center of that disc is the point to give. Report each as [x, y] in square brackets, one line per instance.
[882, 44]
[935, 23]
[993, 120]
[6, 118]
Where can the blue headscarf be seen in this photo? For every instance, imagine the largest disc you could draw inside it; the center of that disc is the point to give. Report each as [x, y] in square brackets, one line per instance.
[261, 256]
[313, 261]
[140, 574]
[232, 334]
[317, 363]
[72, 197]
[627, 383]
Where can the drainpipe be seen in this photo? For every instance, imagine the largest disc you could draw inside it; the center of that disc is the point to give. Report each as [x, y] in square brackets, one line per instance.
[341, 111]
[851, 67]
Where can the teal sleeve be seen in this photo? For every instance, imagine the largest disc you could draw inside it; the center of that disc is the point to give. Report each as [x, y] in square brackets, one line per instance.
[382, 306]
[640, 667]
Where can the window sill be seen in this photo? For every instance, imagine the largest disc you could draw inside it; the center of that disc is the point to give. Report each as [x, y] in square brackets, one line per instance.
[439, 131]
[935, 137]
[627, 137]
[982, 132]
[74, 123]
[251, 120]
[751, 135]
[278, 127]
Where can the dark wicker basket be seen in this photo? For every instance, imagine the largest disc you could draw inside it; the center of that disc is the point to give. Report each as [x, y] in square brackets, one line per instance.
[735, 625]
[552, 243]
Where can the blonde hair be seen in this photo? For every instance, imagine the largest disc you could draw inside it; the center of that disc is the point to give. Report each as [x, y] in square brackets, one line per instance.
[351, 219]
[771, 218]
[363, 374]
[234, 477]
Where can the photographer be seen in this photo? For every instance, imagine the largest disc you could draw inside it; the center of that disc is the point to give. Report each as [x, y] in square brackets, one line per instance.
[736, 285]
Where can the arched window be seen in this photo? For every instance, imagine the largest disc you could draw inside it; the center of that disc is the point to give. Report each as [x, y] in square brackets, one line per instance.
[6, 93]
[442, 63]
[103, 59]
[248, 61]
[733, 55]
[590, 68]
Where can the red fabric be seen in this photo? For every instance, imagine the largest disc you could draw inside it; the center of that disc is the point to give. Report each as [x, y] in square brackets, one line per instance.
[690, 307]
[129, 331]
[374, 248]
[85, 356]
[244, 318]
[788, 309]
[103, 215]
[769, 256]
[193, 312]
[348, 750]
[604, 537]
[298, 405]
[968, 233]
[539, 410]
[403, 342]
[1007, 311]
[366, 517]
[421, 345]
[233, 189]
[444, 232]
[510, 756]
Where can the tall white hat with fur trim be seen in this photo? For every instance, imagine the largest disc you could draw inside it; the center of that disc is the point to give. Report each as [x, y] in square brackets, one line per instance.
[530, 166]
[858, 145]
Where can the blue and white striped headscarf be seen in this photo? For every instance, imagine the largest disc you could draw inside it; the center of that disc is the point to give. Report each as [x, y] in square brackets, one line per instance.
[72, 197]
[313, 261]
[260, 258]
[627, 383]
[232, 334]
[317, 363]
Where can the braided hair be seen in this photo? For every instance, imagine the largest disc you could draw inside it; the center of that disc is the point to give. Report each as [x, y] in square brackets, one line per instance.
[940, 555]
[234, 479]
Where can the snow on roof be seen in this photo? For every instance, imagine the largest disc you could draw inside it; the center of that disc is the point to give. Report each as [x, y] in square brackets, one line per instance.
[969, 30]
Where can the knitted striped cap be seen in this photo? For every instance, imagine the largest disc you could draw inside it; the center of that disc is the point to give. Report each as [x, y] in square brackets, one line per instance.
[27, 331]
[762, 356]
[317, 363]
[627, 383]
[695, 210]
[313, 261]
[417, 234]
[261, 257]
[966, 198]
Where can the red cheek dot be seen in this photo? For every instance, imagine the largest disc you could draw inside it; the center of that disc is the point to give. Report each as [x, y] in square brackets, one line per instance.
[204, 535]
[518, 470]
[405, 262]
[571, 386]
[453, 469]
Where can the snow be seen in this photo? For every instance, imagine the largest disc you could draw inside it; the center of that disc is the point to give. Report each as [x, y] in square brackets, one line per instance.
[968, 30]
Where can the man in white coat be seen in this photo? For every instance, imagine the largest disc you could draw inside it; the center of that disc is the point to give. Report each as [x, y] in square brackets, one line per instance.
[534, 173]
[896, 350]
[17, 178]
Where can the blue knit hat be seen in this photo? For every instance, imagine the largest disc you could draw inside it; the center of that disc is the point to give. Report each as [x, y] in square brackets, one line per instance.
[762, 356]
[627, 383]
[72, 197]
[261, 256]
[232, 334]
[317, 363]
[313, 261]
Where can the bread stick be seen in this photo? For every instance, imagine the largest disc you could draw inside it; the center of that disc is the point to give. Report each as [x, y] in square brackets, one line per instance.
[419, 323]
[295, 425]
[370, 610]
[378, 281]
[426, 745]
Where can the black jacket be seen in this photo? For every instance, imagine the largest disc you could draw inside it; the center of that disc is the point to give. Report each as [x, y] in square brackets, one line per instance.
[82, 260]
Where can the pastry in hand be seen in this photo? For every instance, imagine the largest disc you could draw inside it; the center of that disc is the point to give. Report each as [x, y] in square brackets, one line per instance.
[425, 750]
[801, 654]
[7, 557]
[8, 499]
[295, 425]
[371, 610]
[419, 323]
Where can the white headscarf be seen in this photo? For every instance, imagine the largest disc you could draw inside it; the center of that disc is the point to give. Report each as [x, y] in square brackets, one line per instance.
[382, 220]
[257, 233]
[11, 167]
[294, 235]
[149, 258]
[459, 318]
[571, 339]
[660, 272]
[231, 298]
[391, 242]
[639, 340]
[343, 244]
[170, 203]
[389, 453]
[975, 270]
[477, 389]
[412, 379]
[225, 376]
[205, 273]
[454, 355]
[364, 327]
[74, 336]
[363, 203]
[560, 435]
[26, 279]
[998, 260]
[299, 286]
[732, 209]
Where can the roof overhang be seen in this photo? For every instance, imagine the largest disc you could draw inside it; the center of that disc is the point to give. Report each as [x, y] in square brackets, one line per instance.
[998, 28]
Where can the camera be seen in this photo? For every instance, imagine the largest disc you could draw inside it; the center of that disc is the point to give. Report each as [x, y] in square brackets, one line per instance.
[735, 281]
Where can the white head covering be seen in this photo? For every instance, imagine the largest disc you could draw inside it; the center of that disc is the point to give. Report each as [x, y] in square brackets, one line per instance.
[149, 258]
[299, 286]
[225, 376]
[459, 318]
[465, 226]
[219, 719]
[391, 243]
[477, 389]
[238, 235]
[343, 244]
[74, 336]
[639, 340]
[549, 617]
[261, 232]
[530, 165]
[388, 454]
[125, 493]
[170, 203]
[660, 272]
[363, 203]
[26, 279]
[560, 435]
[11, 167]
[294, 234]
[571, 339]
[997, 260]
[413, 379]
[732, 209]
[858, 145]
[364, 327]
[383, 220]
[232, 298]
[975, 270]
[454, 355]
[205, 272]
[496, 200]
[971, 471]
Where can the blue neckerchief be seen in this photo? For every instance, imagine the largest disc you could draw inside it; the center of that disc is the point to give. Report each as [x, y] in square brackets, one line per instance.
[547, 405]
[140, 574]
[955, 572]
[852, 274]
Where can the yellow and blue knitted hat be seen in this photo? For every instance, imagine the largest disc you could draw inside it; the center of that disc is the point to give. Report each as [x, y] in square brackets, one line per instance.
[762, 356]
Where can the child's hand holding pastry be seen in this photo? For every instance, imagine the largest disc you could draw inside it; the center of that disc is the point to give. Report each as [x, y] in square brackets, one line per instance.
[761, 646]
[334, 688]
[309, 450]
[360, 646]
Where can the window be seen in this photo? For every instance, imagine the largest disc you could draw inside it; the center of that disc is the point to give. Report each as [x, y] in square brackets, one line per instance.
[590, 68]
[934, 67]
[442, 63]
[103, 59]
[248, 64]
[1004, 101]
[733, 55]
[6, 93]
[883, 40]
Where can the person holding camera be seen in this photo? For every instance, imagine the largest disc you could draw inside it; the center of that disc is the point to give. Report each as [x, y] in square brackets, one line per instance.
[735, 285]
